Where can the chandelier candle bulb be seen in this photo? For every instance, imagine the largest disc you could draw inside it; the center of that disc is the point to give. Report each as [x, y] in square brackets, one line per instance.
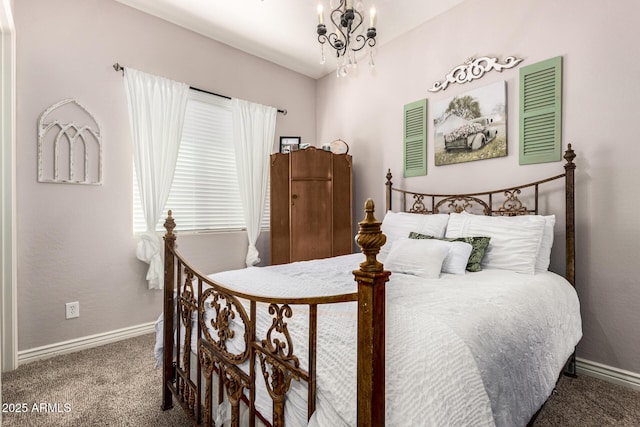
[372, 17]
[320, 14]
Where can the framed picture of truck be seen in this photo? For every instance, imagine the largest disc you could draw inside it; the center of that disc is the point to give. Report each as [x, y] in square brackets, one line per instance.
[471, 126]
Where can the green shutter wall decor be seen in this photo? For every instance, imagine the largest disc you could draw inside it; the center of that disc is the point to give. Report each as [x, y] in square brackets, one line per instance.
[415, 138]
[541, 112]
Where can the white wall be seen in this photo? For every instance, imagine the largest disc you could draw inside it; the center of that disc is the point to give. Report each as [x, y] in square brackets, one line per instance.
[75, 242]
[601, 91]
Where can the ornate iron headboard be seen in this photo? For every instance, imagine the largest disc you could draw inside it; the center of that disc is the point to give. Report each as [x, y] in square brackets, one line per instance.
[518, 200]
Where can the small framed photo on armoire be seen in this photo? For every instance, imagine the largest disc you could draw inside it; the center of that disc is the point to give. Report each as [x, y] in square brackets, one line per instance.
[289, 143]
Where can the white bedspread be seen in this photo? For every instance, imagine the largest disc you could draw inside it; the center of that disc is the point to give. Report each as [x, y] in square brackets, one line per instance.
[484, 348]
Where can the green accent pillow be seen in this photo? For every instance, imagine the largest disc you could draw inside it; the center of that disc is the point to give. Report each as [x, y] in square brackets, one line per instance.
[479, 247]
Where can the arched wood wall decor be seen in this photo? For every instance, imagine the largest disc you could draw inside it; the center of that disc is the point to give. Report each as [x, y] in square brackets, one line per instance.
[69, 145]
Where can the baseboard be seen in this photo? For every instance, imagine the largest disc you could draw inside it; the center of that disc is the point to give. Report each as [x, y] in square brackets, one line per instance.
[51, 350]
[608, 373]
[593, 369]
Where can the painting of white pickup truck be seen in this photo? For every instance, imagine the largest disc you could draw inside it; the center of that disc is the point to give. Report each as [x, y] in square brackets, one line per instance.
[471, 135]
[471, 126]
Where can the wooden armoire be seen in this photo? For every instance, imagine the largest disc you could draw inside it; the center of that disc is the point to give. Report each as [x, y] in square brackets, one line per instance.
[310, 205]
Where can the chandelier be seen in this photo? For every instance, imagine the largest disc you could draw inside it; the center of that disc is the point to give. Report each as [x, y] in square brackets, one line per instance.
[349, 35]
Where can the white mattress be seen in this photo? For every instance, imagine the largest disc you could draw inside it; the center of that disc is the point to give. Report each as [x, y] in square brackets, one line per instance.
[490, 347]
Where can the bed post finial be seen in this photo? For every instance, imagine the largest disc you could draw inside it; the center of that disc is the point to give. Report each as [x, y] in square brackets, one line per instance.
[169, 225]
[389, 186]
[371, 278]
[569, 155]
[370, 238]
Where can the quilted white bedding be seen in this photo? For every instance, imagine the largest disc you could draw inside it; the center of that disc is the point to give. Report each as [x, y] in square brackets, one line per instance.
[478, 349]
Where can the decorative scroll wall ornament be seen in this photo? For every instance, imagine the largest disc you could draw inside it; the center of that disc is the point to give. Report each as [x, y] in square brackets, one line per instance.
[69, 145]
[474, 68]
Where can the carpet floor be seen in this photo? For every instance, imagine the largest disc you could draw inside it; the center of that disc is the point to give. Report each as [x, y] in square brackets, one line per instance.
[117, 385]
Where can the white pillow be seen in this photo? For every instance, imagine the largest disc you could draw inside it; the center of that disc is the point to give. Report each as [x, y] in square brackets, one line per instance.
[396, 225]
[419, 257]
[458, 254]
[515, 241]
[544, 254]
[543, 258]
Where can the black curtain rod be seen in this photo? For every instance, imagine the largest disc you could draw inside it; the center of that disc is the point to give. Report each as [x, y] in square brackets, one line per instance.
[119, 67]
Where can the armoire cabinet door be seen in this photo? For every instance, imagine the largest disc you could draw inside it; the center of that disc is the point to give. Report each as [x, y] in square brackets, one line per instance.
[311, 204]
[342, 211]
[279, 228]
[310, 219]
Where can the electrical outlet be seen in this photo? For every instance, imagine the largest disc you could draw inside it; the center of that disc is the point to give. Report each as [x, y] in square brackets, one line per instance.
[73, 309]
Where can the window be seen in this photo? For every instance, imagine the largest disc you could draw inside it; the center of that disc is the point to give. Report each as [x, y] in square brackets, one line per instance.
[205, 194]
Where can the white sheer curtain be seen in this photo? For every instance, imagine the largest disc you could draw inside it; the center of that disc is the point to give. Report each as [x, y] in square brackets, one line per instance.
[253, 131]
[156, 114]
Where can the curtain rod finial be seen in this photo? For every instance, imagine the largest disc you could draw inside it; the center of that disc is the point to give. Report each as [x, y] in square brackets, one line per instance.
[118, 67]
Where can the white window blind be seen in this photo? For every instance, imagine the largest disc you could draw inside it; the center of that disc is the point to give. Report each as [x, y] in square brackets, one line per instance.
[205, 193]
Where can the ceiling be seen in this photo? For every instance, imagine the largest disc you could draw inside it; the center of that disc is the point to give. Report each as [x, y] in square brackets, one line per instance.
[284, 31]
